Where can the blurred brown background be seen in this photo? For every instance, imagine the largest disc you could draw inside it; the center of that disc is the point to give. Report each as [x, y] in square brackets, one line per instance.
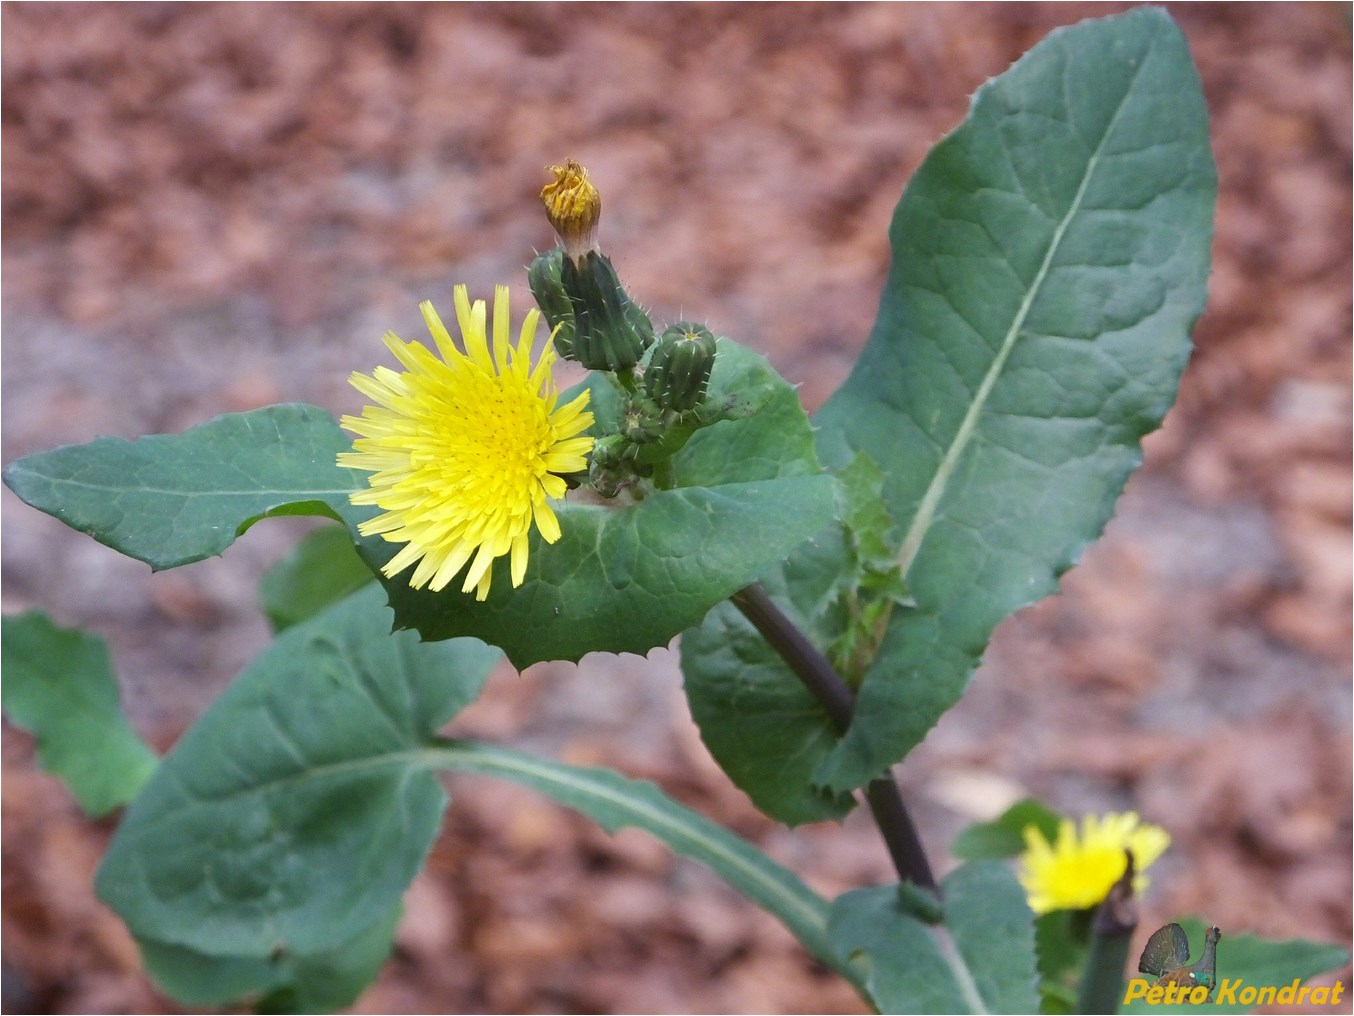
[211, 208]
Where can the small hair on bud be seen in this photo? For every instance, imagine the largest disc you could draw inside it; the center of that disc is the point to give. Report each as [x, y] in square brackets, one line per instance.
[573, 206]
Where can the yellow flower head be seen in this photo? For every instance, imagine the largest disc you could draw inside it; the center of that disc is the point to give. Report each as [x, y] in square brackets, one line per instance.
[465, 449]
[1077, 872]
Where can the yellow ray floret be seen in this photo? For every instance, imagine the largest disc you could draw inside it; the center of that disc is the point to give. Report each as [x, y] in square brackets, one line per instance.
[466, 449]
[1077, 871]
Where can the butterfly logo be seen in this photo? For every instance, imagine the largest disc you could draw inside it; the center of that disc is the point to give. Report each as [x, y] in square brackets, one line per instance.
[1167, 959]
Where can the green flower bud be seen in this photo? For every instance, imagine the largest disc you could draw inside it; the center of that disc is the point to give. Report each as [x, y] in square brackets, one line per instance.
[679, 370]
[548, 289]
[642, 421]
[610, 331]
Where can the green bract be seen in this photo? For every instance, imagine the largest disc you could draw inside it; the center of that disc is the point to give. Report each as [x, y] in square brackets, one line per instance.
[545, 276]
[610, 332]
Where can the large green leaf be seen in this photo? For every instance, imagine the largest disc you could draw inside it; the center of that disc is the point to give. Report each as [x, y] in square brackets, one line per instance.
[1246, 961]
[1049, 259]
[59, 684]
[169, 500]
[981, 960]
[615, 801]
[295, 812]
[746, 491]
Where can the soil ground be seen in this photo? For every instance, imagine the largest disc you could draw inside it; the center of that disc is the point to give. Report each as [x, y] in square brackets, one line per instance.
[211, 208]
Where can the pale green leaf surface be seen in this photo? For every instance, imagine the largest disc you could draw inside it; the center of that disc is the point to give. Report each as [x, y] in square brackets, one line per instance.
[296, 811]
[321, 570]
[59, 684]
[169, 500]
[993, 930]
[761, 724]
[980, 960]
[625, 578]
[1061, 946]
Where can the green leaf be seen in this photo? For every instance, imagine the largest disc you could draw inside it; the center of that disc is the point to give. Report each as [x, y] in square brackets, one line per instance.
[980, 960]
[1049, 259]
[322, 569]
[169, 500]
[296, 811]
[1004, 836]
[59, 684]
[282, 982]
[747, 490]
[615, 801]
[1245, 961]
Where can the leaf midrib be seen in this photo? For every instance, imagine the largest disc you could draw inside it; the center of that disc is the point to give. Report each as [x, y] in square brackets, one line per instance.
[930, 502]
[490, 761]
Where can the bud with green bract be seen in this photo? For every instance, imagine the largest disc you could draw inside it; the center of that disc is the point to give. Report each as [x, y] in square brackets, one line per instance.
[548, 288]
[679, 370]
[641, 421]
[610, 331]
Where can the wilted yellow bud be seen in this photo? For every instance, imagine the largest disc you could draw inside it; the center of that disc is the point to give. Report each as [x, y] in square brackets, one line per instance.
[573, 207]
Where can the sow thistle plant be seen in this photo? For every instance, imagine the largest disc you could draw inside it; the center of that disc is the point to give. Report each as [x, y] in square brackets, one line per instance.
[835, 583]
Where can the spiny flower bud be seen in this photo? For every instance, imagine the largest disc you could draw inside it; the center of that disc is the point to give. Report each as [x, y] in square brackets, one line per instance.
[548, 288]
[610, 331]
[679, 370]
[642, 421]
[573, 206]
